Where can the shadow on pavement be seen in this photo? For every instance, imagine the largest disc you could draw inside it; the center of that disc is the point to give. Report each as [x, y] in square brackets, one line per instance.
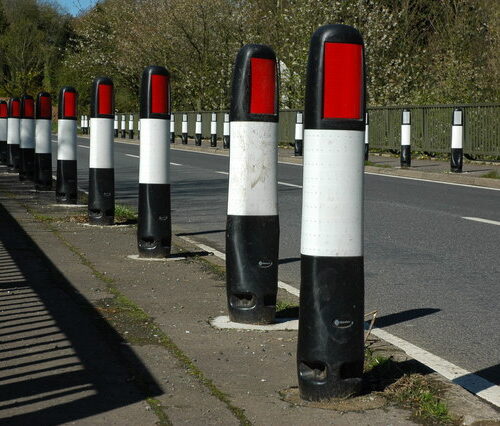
[403, 316]
[59, 359]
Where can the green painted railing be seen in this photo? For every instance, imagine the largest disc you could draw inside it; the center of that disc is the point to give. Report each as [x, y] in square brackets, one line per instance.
[430, 132]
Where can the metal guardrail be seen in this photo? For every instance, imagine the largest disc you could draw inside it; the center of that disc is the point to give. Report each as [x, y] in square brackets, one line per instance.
[431, 127]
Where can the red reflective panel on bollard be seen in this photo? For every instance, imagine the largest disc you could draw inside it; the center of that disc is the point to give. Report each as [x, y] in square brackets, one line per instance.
[69, 104]
[262, 86]
[45, 107]
[3, 111]
[343, 80]
[16, 109]
[159, 94]
[29, 108]
[105, 99]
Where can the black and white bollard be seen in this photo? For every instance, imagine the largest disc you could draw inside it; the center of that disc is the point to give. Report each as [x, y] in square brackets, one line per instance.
[184, 130]
[252, 231]
[131, 126]
[87, 125]
[457, 141]
[226, 138]
[101, 202]
[27, 138]
[66, 179]
[82, 124]
[4, 115]
[405, 138]
[299, 135]
[213, 130]
[330, 351]
[115, 126]
[13, 135]
[123, 126]
[367, 135]
[43, 145]
[197, 130]
[154, 230]
[172, 128]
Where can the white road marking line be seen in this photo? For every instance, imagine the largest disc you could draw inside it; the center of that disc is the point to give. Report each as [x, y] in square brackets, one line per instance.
[472, 382]
[289, 184]
[223, 173]
[478, 219]
[132, 155]
[83, 146]
[176, 164]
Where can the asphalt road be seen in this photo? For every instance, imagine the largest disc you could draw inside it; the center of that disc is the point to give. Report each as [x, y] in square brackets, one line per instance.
[433, 275]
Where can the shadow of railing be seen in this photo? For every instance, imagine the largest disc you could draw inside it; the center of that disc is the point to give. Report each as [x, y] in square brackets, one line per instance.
[60, 360]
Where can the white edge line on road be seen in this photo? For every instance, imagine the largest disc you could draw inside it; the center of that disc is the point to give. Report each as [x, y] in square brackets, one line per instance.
[478, 219]
[175, 164]
[223, 173]
[472, 382]
[83, 146]
[289, 184]
[132, 155]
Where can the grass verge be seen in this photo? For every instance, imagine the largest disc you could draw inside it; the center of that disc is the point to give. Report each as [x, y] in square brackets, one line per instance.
[492, 175]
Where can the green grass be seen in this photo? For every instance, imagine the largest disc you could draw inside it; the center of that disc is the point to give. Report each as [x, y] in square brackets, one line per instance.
[124, 213]
[492, 175]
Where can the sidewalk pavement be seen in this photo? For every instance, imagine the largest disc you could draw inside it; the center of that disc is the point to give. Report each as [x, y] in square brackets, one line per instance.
[91, 336]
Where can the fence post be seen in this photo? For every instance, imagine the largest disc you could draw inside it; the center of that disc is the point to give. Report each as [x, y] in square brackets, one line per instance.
[13, 136]
[4, 116]
[405, 138]
[330, 350]
[154, 228]
[43, 145]
[66, 182]
[252, 233]
[101, 201]
[299, 134]
[457, 141]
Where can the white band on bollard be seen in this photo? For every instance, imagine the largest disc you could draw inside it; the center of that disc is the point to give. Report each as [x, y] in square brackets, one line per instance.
[252, 172]
[184, 127]
[154, 163]
[43, 129]
[101, 144]
[13, 136]
[405, 134]
[198, 128]
[27, 133]
[213, 127]
[66, 136]
[457, 137]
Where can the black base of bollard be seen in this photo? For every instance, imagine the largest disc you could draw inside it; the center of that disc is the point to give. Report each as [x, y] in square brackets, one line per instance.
[172, 137]
[154, 226]
[197, 140]
[27, 167]
[298, 148]
[66, 182]
[116, 133]
[101, 205]
[184, 138]
[43, 172]
[131, 134]
[124, 134]
[367, 151]
[13, 159]
[213, 141]
[226, 142]
[330, 350]
[3, 152]
[252, 244]
[457, 159]
[405, 156]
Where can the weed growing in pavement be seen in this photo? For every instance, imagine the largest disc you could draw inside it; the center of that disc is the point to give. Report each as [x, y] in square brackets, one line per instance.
[286, 309]
[124, 214]
[491, 175]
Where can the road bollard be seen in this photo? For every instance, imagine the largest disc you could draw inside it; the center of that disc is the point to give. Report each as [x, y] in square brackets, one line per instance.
[87, 124]
[213, 130]
[367, 134]
[131, 126]
[66, 178]
[405, 138]
[4, 115]
[252, 232]
[82, 124]
[123, 126]
[154, 230]
[101, 200]
[115, 126]
[299, 134]
[172, 128]
[457, 141]
[197, 130]
[330, 351]
[139, 128]
[13, 135]
[27, 138]
[43, 145]
[184, 130]
[226, 138]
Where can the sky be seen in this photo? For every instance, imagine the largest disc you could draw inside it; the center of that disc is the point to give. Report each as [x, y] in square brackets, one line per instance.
[75, 6]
